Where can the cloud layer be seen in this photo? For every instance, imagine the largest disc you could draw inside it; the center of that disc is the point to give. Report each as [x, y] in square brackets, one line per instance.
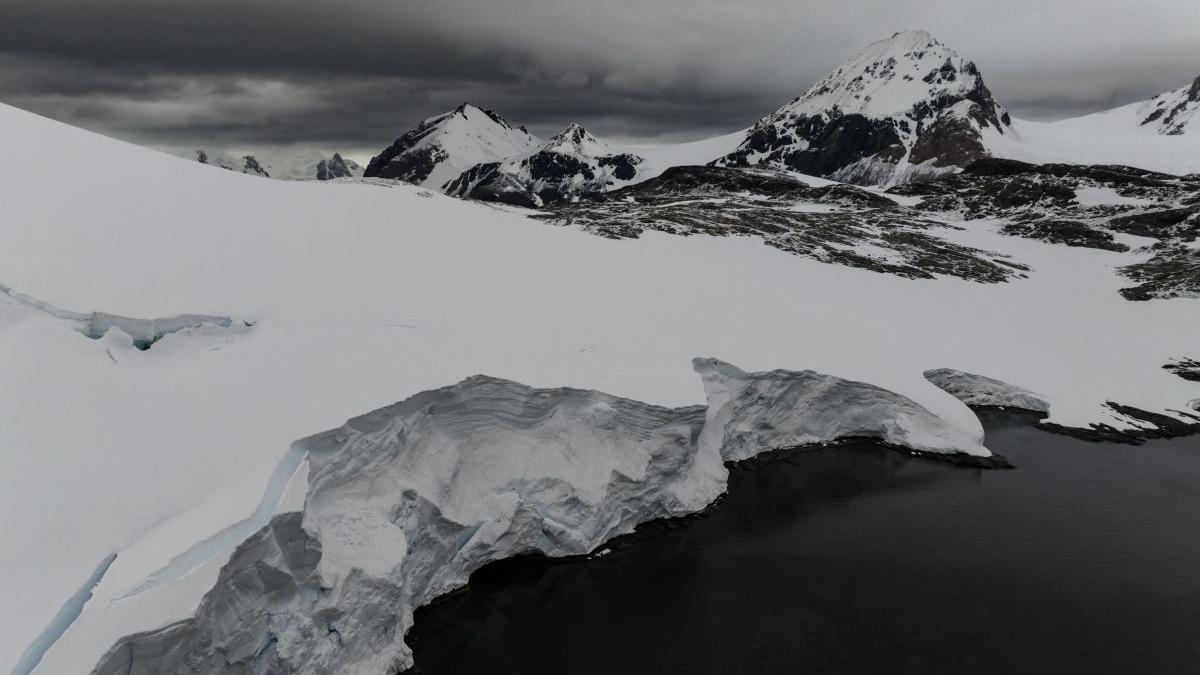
[354, 74]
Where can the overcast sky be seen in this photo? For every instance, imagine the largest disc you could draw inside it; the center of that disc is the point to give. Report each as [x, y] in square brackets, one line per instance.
[351, 75]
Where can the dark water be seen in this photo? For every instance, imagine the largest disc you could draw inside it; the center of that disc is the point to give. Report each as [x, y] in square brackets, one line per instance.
[1086, 559]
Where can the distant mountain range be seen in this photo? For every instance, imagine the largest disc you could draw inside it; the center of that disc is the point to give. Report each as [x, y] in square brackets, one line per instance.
[303, 164]
[905, 109]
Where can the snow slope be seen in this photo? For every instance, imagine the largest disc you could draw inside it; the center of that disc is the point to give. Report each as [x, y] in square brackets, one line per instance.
[361, 295]
[1110, 137]
[661, 156]
[1172, 113]
[1157, 134]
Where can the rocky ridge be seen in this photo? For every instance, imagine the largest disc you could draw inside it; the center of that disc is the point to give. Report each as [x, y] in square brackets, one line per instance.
[571, 164]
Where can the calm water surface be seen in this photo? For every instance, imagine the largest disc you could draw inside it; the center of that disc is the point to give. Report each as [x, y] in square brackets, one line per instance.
[1086, 559]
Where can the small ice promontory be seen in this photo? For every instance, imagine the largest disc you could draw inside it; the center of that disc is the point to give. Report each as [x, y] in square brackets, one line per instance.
[977, 390]
[749, 413]
[405, 502]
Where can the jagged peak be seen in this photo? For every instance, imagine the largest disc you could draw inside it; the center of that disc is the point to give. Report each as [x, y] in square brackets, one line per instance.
[470, 111]
[575, 139]
[912, 36]
[890, 76]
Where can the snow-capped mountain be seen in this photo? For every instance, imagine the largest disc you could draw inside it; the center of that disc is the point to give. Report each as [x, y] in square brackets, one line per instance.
[286, 163]
[904, 108]
[440, 148]
[570, 164]
[1171, 113]
[337, 167]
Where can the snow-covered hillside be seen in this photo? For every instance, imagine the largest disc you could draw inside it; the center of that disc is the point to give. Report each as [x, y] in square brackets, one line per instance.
[571, 164]
[327, 300]
[904, 108]
[1172, 113]
[1158, 135]
[440, 148]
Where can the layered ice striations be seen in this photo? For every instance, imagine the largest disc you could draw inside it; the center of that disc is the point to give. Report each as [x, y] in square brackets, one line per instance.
[405, 502]
[977, 390]
[752, 412]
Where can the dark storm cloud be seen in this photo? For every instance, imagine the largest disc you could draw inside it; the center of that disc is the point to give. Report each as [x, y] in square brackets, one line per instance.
[354, 74]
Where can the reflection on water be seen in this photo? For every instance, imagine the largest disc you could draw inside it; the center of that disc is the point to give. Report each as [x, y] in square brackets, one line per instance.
[859, 559]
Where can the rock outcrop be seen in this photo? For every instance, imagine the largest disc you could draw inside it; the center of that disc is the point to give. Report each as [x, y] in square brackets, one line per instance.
[572, 164]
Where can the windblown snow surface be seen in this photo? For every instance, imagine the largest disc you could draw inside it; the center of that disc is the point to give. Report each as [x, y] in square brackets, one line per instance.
[363, 294]
[1111, 137]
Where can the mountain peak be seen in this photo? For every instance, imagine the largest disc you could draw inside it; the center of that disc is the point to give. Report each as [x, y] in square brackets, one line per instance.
[903, 107]
[576, 140]
[912, 36]
[573, 163]
[443, 146]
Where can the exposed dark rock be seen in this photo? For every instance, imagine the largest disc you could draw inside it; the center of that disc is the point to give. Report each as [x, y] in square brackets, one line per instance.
[703, 180]
[1171, 110]
[724, 201]
[570, 165]
[1181, 223]
[834, 129]
[1173, 272]
[1188, 369]
[414, 156]
[1015, 192]
[252, 166]
[1069, 232]
[335, 167]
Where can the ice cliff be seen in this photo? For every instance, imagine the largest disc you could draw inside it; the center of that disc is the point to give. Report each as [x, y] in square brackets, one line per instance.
[405, 502]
